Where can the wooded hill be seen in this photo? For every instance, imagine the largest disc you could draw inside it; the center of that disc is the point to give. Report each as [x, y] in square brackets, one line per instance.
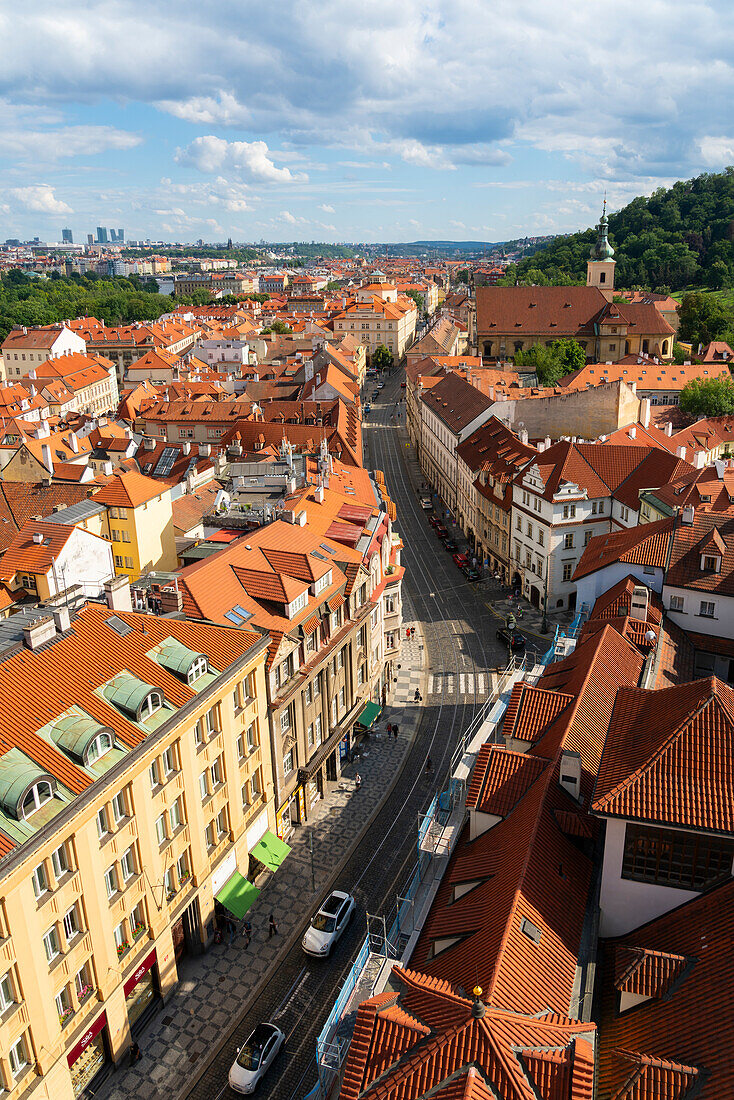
[676, 238]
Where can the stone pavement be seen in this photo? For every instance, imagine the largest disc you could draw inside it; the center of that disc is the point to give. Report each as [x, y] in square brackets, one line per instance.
[216, 985]
[529, 618]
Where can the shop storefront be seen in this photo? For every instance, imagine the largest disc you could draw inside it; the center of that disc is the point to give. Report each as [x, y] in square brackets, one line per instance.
[142, 993]
[89, 1060]
[291, 813]
[313, 791]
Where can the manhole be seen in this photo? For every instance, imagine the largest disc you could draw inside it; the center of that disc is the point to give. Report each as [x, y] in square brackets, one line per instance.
[167, 1020]
[222, 978]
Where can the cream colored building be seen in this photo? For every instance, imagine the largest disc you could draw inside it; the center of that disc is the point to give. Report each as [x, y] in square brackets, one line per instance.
[130, 796]
[379, 315]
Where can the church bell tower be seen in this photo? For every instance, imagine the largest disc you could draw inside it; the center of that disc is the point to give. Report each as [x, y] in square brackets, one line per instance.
[600, 265]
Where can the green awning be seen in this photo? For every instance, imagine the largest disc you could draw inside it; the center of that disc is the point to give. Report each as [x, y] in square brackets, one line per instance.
[370, 713]
[237, 895]
[270, 851]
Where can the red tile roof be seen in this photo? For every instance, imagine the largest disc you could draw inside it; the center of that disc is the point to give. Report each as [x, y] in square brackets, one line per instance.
[669, 757]
[690, 542]
[455, 402]
[500, 779]
[648, 544]
[530, 709]
[129, 490]
[551, 311]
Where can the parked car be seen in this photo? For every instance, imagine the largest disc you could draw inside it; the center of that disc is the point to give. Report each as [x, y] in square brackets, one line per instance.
[380, 385]
[471, 573]
[461, 560]
[328, 924]
[440, 530]
[426, 504]
[434, 521]
[402, 385]
[255, 1057]
[450, 545]
[511, 638]
[368, 407]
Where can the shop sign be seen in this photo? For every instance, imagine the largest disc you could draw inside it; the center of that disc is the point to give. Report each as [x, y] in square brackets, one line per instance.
[86, 1038]
[147, 964]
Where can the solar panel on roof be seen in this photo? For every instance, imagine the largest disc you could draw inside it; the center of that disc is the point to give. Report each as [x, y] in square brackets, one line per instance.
[233, 618]
[119, 625]
[166, 461]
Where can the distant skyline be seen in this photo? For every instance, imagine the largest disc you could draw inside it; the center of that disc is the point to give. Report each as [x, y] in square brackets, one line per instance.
[479, 119]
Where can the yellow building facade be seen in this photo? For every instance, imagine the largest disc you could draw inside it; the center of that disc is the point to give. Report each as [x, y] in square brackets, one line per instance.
[104, 889]
[140, 524]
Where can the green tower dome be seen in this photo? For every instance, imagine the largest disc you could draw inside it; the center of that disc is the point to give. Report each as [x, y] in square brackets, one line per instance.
[601, 249]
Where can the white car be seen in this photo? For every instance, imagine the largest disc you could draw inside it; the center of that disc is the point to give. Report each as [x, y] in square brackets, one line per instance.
[328, 924]
[254, 1058]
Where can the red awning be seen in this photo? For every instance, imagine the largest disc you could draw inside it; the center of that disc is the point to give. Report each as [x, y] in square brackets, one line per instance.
[147, 964]
[89, 1034]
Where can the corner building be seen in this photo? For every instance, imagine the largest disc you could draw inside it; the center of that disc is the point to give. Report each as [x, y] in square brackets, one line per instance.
[133, 782]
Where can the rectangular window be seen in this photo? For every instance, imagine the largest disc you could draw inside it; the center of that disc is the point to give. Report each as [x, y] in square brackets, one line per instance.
[119, 809]
[541, 537]
[236, 699]
[7, 992]
[161, 830]
[203, 786]
[317, 730]
[39, 880]
[212, 725]
[241, 748]
[518, 523]
[51, 944]
[110, 881]
[120, 938]
[169, 760]
[676, 603]
[689, 861]
[251, 737]
[18, 1057]
[154, 774]
[221, 822]
[288, 762]
[103, 826]
[569, 511]
[176, 815]
[83, 982]
[342, 701]
[72, 924]
[568, 542]
[710, 563]
[567, 570]
[127, 864]
[199, 733]
[128, 562]
[256, 785]
[588, 535]
[285, 720]
[707, 609]
[217, 773]
[309, 736]
[182, 868]
[209, 836]
[529, 530]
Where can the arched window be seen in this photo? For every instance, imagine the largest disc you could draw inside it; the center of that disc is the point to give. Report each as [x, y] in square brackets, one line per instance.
[101, 744]
[38, 794]
[150, 705]
[665, 347]
[199, 668]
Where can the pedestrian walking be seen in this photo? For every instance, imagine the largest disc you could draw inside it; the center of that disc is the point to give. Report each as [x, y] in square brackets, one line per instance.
[247, 933]
[418, 697]
[389, 728]
[395, 732]
[429, 765]
[357, 781]
[135, 1054]
[272, 927]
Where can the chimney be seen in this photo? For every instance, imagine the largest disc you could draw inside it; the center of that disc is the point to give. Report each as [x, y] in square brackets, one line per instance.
[148, 443]
[669, 428]
[62, 618]
[39, 631]
[186, 448]
[687, 515]
[37, 538]
[638, 603]
[117, 594]
[318, 494]
[205, 449]
[570, 773]
[681, 452]
[547, 442]
[74, 443]
[523, 436]
[645, 412]
[107, 468]
[632, 432]
[699, 460]
[48, 461]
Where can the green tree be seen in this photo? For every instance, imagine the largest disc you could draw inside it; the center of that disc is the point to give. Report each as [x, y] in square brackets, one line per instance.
[708, 397]
[381, 359]
[704, 317]
[333, 285]
[554, 362]
[280, 327]
[463, 276]
[679, 354]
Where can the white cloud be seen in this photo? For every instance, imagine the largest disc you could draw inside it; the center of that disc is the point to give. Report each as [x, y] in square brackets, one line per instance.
[220, 110]
[249, 159]
[288, 217]
[40, 199]
[717, 151]
[42, 146]
[326, 208]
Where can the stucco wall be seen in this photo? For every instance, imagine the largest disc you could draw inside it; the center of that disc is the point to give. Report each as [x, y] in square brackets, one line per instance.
[586, 414]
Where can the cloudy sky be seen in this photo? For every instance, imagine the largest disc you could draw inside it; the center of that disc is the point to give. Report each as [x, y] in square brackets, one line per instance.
[357, 121]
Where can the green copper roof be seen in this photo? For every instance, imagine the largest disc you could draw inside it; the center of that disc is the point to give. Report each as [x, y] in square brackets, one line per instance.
[17, 775]
[176, 657]
[601, 249]
[128, 693]
[74, 732]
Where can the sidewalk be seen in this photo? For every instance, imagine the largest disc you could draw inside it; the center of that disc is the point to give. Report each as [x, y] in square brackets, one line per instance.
[213, 987]
[530, 621]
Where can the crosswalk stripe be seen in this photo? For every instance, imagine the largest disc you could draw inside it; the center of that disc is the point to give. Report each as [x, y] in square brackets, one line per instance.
[481, 687]
[462, 682]
[449, 684]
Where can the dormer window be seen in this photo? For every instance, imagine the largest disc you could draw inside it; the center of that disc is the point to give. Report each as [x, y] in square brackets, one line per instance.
[322, 583]
[37, 796]
[200, 667]
[99, 746]
[711, 563]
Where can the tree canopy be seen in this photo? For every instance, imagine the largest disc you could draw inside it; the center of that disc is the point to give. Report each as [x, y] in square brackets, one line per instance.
[381, 359]
[31, 301]
[552, 363]
[704, 317]
[708, 397]
[676, 238]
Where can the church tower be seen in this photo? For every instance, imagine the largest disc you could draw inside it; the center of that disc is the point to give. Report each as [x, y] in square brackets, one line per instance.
[600, 265]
